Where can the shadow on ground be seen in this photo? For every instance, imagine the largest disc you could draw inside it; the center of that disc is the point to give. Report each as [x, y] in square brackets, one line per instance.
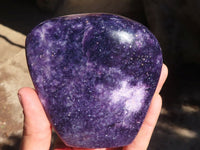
[14, 143]
[179, 124]
[21, 15]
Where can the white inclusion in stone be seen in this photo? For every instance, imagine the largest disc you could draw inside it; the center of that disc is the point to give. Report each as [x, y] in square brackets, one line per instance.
[100, 88]
[43, 30]
[43, 101]
[123, 37]
[139, 39]
[132, 96]
[47, 71]
[39, 79]
[158, 59]
[42, 34]
[139, 35]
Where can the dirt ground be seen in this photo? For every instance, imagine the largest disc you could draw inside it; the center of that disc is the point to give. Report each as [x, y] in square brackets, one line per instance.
[179, 123]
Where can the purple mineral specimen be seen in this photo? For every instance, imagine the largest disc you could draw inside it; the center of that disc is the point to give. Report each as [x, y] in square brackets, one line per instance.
[95, 75]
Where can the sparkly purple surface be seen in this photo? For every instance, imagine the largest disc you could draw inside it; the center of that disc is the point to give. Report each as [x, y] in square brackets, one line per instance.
[95, 75]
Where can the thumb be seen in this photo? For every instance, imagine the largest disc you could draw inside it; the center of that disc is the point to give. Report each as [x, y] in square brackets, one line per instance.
[37, 129]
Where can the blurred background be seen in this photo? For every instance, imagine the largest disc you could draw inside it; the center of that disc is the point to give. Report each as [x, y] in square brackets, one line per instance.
[176, 25]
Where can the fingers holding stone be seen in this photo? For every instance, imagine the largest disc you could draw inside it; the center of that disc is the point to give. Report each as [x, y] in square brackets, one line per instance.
[143, 137]
[162, 79]
[37, 129]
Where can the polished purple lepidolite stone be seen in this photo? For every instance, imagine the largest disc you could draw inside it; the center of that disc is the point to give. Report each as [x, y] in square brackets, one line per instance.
[95, 75]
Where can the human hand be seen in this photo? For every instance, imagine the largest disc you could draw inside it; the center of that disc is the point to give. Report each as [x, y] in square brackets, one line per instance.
[37, 128]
